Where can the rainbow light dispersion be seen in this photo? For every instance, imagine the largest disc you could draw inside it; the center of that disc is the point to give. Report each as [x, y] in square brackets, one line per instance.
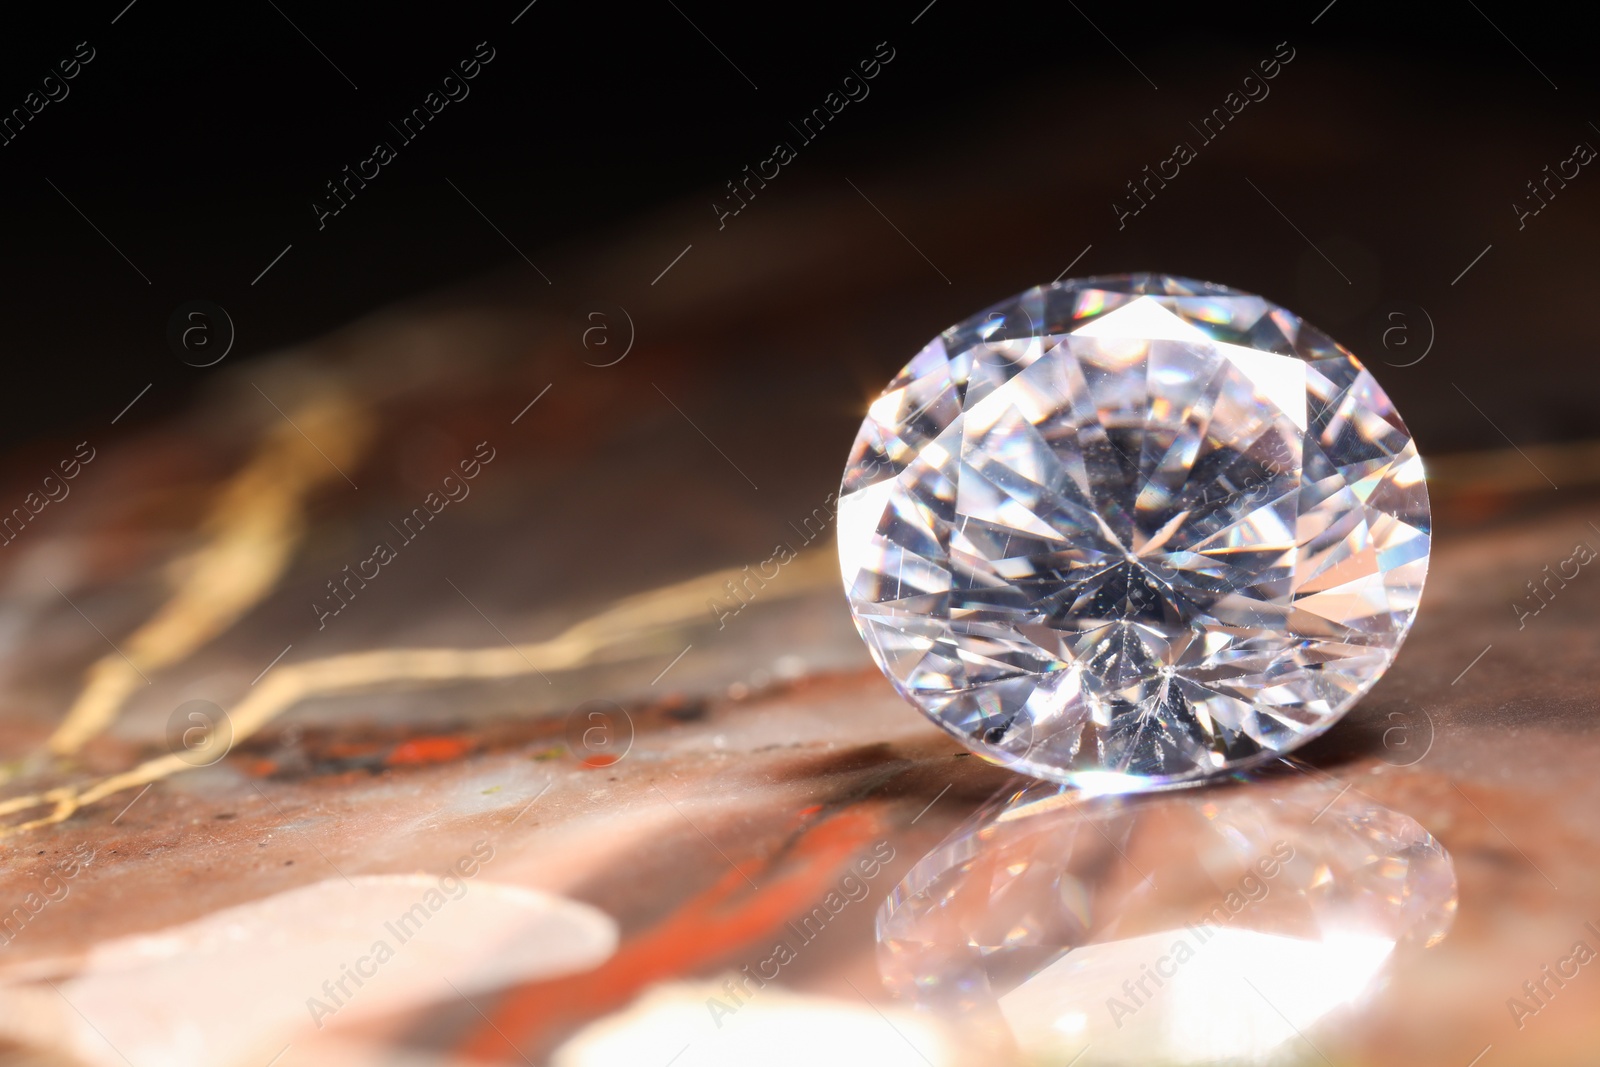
[1133, 531]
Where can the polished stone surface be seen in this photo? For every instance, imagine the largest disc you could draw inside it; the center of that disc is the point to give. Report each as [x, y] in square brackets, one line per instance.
[1187, 928]
[769, 761]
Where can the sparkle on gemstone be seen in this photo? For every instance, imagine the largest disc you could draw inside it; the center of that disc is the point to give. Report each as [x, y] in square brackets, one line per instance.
[1132, 531]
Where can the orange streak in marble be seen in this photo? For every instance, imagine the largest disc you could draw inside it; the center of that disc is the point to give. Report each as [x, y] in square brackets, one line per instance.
[429, 750]
[707, 928]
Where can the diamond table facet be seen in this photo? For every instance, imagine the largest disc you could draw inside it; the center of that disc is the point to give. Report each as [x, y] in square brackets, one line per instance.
[1133, 531]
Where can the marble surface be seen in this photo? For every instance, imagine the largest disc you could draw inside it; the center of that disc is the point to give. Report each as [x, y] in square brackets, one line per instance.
[662, 783]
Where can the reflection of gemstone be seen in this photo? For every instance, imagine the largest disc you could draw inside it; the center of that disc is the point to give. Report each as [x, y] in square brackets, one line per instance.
[1162, 929]
[1126, 532]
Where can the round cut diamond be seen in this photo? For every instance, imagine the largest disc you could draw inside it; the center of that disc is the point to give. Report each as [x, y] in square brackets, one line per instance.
[1131, 531]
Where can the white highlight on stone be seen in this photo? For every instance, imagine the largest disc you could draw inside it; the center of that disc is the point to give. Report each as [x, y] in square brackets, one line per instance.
[689, 1024]
[231, 988]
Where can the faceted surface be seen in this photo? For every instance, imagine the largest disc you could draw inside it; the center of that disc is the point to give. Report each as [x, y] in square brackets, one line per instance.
[1173, 928]
[1131, 531]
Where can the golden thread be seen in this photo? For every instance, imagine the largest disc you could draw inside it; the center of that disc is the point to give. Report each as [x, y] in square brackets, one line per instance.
[635, 624]
[250, 533]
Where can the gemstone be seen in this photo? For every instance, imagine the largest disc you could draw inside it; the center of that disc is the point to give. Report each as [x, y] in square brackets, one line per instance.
[1130, 532]
[1170, 928]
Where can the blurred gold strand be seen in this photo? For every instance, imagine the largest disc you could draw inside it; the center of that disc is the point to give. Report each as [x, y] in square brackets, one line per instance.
[632, 625]
[260, 517]
[1516, 470]
[252, 529]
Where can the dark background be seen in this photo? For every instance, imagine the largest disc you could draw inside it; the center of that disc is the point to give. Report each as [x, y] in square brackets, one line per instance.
[1396, 142]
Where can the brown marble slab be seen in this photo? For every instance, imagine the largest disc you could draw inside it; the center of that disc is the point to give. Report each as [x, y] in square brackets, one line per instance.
[698, 777]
